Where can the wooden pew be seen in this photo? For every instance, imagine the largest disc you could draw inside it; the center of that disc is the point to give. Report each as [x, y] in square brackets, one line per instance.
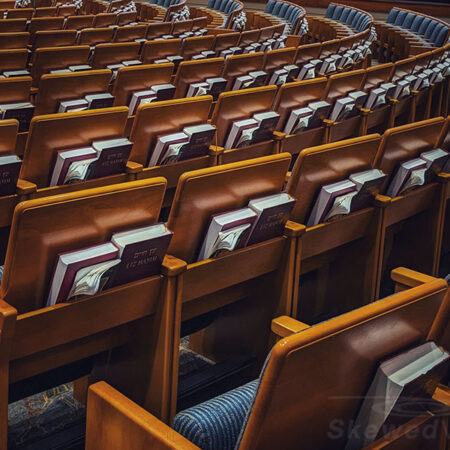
[159, 118]
[79, 22]
[295, 377]
[55, 88]
[124, 18]
[181, 27]
[159, 49]
[276, 59]
[158, 29]
[53, 132]
[237, 105]
[13, 25]
[37, 339]
[130, 33]
[45, 11]
[94, 36]
[337, 259]
[237, 65]
[296, 95]
[105, 54]
[415, 213]
[194, 45]
[44, 24]
[47, 59]
[307, 52]
[195, 72]
[10, 41]
[225, 41]
[13, 59]
[104, 20]
[58, 38]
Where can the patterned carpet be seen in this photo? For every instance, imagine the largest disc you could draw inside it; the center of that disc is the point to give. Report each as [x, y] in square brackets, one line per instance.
[43, 415]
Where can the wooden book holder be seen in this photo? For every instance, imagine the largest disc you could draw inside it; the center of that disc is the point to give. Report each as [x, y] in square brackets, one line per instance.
[47, 59]
[195, 72]
[156, 119]
[55, 88]
[343, 240]
[235, 105]
[105, 54]
[159, 49]
[236, 65]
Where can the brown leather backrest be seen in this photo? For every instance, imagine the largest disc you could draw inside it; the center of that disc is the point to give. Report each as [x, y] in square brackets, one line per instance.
[42, 228]
[13, 40]
[58, 38]
[159, 49]
[224, 41]
[318, 166]
[53, 132]
[13, 25]
[406, 142]
[104, 20]
[236, 65]
[249, 37]
[403, 67]
[8, 136]
[54, 88]
[276, 59]
[154, 119]
[138, 78]
[130, 33]
[378, 74]
[47, 59]
[181, 27]
[196, 71]
[202, 193]
[158, 29]
[105, 54]
[242, 104]
[296, 95]
[314, 381]
[15, 89]
[194, 45]
[342, 83]
[45, 23]
[45, 11]
[94, 36]
[13, 59]
[79, 22]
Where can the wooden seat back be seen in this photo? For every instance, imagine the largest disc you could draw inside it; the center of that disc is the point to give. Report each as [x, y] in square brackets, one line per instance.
[236, 65]
[59, 38]
[158, 29]
[79, 22]
[297, 376]
[376, 75]
[195, 72]
[329, 48]
[138, 78]
[130, 33]
[159, 49]
[13, 25]
[403, 68]
[21, 13]
[94, 36]
[45, 24]
[341, 84]
[248, 37]
[124, 18]
[55, 88]
[47, 59]
[13, 59]
[181, 27]
[14, 40]
[8, 135]
[45, 11]
[199, 22]
[106, 54]
[318, 166]
[15, 89]
[276, 59]
[224, 41]
[53, 132]
[104, 20]
[66, 10]
[193, 45]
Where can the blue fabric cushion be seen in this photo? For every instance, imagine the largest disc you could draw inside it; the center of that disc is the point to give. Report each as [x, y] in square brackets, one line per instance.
[441, 37]
[283, 10]
[350, 17]
[1, 273]
[359, 22]
[416, 23]
[276, 8]
[291, 13]
[436, 32]
[423, 26]
[228, 7]
[430, 28]
[329, 11]
[408, 21]
[356, 18]
[392, 15]
[345, 14]
[401, 16]
[269, 6]
[216, 424]
[337, 12]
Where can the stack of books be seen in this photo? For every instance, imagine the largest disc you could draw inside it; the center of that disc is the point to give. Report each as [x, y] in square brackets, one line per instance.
[211, 86]
[155, 93]
[252, 79]
[284, 75]
[90, 101]
[22, 112]
[9, 174]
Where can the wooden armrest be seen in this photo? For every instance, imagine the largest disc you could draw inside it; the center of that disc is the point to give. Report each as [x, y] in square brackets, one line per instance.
[284, 326]
[25, 187]
[294, 229]
[382, 200]
[173, 266]
[442, 395]
[215, 150]
[132, 426]
[444, 177]
[410, 278]
[278, 135]
[133, 167]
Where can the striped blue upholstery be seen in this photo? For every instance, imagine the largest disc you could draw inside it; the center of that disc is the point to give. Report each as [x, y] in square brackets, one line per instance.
[408, 20]
[416, 23]
[1, 273]
[329, 11]
[216, 424]
[392, 16]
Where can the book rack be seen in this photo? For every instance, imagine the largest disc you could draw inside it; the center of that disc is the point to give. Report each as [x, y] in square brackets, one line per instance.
[237, 65]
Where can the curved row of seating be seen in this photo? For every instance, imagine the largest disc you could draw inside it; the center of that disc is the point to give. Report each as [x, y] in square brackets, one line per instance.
[288, 12]
[229, 8]
[352, 18]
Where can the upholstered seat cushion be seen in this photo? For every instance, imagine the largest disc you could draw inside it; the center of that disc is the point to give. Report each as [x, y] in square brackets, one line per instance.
[1, 273]
[216, 424]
